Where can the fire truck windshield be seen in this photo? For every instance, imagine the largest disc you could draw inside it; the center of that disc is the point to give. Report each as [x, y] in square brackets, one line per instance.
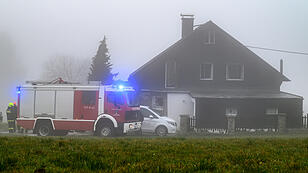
[132, 99]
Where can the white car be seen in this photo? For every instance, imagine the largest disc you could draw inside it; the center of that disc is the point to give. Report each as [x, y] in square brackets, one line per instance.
[153, 123]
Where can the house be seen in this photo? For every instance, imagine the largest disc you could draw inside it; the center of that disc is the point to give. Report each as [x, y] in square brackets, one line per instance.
[209, 74]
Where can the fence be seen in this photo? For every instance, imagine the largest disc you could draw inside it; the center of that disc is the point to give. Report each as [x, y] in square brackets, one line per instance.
[192, 125]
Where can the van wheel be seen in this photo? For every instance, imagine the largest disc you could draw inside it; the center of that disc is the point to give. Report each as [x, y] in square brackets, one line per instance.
[161, 131]
[44, 129]
[105, 130]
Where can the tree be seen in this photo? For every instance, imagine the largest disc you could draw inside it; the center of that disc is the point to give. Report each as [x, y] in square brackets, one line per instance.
[68, 68]
[101, 66]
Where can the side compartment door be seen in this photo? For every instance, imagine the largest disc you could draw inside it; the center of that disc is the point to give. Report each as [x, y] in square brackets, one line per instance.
[64, 104]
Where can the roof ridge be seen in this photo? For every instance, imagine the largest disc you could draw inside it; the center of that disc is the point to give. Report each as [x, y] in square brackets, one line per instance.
[262, 60]
[165, 50]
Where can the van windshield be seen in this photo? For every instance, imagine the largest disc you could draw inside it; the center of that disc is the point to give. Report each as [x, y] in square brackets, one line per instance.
[132, 99]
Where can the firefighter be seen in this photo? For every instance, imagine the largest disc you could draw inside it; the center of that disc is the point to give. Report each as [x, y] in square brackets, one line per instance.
[10, 118]
[19, 130]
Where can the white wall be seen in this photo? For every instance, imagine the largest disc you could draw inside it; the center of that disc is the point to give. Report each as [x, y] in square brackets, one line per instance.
[179, 104]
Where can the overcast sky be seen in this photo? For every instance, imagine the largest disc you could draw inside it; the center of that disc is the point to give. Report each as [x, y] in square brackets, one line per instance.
[139, 30]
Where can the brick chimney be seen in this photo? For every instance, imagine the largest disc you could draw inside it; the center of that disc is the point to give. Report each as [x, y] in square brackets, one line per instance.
[187, 24]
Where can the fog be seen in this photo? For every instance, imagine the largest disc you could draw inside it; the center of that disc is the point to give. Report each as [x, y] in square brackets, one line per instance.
[32, 31]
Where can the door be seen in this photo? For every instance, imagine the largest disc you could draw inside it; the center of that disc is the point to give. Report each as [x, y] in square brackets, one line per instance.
[86, 105]
[116, 105]
[150, 120]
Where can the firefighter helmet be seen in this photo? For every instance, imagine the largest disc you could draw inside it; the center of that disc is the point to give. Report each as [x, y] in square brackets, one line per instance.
[11, 104]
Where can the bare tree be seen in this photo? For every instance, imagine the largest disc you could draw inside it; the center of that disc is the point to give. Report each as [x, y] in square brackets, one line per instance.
[68, 68]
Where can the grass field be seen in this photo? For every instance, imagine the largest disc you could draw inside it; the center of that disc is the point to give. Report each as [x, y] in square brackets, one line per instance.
[175, 154]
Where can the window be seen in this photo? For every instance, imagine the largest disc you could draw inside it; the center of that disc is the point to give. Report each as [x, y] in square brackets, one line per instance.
[132, 99]
[272, 111]
[146, 113]
[235, 72]
[89, 98]
[115, 98]
[206, 72]
[170, 74]
[231, 111]
[158, 102]
[209, 37]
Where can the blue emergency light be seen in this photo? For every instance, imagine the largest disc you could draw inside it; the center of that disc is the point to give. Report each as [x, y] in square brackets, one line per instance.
[18, 90]
[121, 87]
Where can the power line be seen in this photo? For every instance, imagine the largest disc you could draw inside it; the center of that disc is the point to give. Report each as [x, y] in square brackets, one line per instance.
[278, 50]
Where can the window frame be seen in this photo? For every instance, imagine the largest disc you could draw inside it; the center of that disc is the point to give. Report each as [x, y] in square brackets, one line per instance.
[116, 99]
[148, 111]
[157, 107]
[242, 72]
[88, 98]
[212, 71]
[211, 37]
[268, 111]
[166, 74]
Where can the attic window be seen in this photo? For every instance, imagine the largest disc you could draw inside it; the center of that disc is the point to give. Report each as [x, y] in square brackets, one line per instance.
[170, 74]
[235, 72]
[209, 37]
[206, 71]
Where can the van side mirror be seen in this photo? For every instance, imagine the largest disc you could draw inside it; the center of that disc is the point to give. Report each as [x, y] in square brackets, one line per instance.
[151, 116]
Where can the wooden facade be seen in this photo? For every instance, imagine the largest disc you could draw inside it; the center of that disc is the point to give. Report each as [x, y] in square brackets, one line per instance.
[203, 62]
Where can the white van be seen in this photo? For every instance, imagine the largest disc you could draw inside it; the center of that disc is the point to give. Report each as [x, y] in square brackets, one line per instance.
[153, 123]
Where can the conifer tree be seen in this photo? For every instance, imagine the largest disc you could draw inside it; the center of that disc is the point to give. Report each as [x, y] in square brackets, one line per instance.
[101, 66]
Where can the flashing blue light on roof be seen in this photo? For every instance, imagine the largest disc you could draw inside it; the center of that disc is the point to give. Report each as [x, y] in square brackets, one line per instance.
[121, 87]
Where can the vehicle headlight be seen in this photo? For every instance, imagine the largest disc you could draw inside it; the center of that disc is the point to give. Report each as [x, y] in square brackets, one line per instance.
[172, 123]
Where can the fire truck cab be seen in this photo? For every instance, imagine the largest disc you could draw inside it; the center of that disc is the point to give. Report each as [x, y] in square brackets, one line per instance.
[56, 109]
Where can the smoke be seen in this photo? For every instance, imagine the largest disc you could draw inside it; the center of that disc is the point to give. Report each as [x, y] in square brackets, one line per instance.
[11, 71]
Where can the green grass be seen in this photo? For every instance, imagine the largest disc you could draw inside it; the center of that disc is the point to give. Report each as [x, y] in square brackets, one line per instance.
[177, 154]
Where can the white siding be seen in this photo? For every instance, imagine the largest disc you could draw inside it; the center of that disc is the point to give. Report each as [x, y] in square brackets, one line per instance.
[179, 104]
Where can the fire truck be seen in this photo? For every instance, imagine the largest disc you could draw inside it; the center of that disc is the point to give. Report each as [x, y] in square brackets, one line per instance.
[55, 108]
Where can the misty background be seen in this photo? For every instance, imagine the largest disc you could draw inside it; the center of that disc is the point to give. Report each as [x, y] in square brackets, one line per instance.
[34, 33]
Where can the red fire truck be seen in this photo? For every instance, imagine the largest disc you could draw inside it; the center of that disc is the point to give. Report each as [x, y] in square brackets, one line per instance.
[55, 109]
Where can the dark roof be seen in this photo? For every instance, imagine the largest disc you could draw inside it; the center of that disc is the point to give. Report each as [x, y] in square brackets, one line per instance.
[244, 94]
[199, 29]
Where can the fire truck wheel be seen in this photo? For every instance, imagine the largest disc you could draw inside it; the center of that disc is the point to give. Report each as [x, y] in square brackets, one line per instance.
[161, 131]
[105, 130]
[44, 129]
